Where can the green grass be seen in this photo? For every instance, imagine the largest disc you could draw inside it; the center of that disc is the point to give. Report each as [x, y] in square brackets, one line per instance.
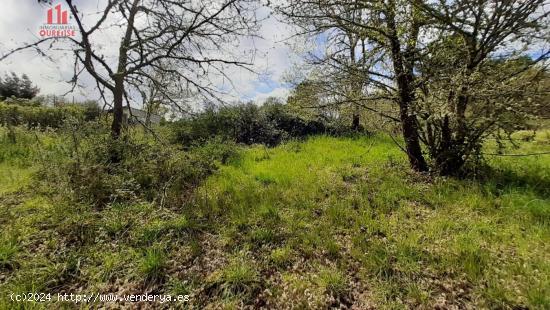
[8, 251]
[153, 264]
[239, 277]
[354, 202]
[332, 281]
[312, 224]
[13, 178]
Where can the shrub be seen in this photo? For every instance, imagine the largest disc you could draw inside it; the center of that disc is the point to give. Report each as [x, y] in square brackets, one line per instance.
[91, 110]
[21, 113]
[250, 124]
[105, 171]
[217, 150]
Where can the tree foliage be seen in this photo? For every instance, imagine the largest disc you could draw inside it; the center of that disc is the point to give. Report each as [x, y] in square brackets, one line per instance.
[19, 87]
[458, 71]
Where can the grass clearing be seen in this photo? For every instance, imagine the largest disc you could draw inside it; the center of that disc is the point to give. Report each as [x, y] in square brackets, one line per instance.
[312, 224]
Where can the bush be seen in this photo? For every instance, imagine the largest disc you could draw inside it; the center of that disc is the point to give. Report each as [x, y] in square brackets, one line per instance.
[217, 150]
[90, 109]
[31, 116]
[250, 124]
[105, 171]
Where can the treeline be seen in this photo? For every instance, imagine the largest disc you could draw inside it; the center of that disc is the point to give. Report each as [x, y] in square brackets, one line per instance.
[18, 87]
[20, 105]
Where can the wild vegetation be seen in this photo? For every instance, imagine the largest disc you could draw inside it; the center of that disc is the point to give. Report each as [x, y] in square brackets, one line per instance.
[455, 72]
[409, 166]
[329, 221]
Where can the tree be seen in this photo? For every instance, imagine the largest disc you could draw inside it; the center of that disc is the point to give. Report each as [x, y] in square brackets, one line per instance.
[502, 96]
[309, 99]
[403, 32]
[471, 89]
[392, 31]
[19, 87]
[341, 63]
[193, 36]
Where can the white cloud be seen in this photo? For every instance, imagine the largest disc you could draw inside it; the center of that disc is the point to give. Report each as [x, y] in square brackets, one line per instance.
[280, 92]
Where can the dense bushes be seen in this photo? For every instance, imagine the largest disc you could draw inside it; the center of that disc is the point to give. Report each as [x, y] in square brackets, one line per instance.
[88, 167]
[26, 113]
[250, 124]
[269, 124]
[96, 170]
[103, 171]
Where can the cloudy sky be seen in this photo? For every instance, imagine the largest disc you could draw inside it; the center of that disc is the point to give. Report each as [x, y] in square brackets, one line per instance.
[21, 20]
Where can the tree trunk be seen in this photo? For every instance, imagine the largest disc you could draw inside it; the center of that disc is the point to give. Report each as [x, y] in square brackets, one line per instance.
[451, 152]
[412, 141]
[355, 124]
[118, 92]
[355, 90]
[118, 97]
[404, 79]
[448, 158]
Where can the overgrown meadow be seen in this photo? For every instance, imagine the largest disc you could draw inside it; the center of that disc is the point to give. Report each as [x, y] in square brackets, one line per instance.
[395, 155]
[317, 222]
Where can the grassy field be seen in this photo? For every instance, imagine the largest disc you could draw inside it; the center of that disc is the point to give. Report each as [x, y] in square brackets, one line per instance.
[327, 222]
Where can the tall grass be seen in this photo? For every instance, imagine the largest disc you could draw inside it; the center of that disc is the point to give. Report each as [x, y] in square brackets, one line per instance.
[320, 223]
[355, 202]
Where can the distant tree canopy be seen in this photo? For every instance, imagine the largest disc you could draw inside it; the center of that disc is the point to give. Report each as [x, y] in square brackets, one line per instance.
[20, 87]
